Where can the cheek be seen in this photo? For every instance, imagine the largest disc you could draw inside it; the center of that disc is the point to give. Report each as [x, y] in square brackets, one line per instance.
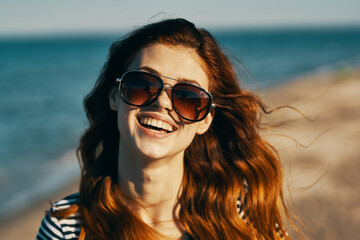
[124, 116]
[189, 132]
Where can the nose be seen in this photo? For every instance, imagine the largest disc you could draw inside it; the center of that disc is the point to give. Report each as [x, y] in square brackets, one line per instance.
[164, 99]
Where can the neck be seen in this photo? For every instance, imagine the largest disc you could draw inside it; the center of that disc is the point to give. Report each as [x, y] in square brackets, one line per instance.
[154, 184]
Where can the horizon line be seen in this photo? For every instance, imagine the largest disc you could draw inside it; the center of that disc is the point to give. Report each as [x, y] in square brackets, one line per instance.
[222, 28]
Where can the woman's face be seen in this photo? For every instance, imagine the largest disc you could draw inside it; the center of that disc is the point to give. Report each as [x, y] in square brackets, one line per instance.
[136, 124]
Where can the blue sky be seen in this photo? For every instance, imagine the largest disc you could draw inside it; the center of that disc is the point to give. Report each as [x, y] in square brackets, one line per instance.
[56, 16]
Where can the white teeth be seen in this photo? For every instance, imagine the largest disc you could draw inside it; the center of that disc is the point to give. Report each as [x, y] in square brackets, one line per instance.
[156, 123]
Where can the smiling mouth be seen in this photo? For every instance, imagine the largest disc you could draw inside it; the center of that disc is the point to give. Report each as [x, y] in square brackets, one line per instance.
[156, 125]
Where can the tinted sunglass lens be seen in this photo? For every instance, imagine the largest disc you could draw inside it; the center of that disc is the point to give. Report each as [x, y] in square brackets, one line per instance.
[190, 102]
[139, 89]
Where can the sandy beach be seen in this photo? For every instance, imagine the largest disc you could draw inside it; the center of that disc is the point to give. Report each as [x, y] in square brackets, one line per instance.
[321, 157]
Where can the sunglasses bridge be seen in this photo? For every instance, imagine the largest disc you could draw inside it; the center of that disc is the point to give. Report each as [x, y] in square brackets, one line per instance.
[167, 88]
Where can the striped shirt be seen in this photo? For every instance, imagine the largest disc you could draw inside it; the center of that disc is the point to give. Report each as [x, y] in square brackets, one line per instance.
[57, 228]
[69, 228]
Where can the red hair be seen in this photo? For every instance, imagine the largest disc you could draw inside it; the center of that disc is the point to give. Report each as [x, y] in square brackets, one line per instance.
[217, 163]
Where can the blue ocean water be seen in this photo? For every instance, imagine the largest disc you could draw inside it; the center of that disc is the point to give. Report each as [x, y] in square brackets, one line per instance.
[44, 79]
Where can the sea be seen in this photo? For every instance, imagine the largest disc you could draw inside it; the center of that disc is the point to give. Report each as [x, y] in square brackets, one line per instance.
[43, 80]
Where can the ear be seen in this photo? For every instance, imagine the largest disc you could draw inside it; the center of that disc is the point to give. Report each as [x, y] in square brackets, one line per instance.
[114, 99]
[205, 123]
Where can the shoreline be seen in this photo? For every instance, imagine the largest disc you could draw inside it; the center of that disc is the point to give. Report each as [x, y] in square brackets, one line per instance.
[322, 176]
[55, 175]
[30, 218]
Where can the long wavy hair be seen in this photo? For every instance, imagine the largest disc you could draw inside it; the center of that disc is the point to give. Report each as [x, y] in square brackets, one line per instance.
[229, 162]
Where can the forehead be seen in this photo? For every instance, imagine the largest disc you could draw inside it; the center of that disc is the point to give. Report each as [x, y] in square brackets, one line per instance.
[174, 62]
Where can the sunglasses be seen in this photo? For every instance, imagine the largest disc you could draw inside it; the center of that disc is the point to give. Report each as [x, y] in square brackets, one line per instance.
[140, 88]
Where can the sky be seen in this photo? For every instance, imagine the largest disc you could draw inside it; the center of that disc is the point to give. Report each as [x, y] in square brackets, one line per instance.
[23, 17]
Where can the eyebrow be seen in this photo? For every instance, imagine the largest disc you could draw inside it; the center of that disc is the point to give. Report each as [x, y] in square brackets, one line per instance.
[151, 70]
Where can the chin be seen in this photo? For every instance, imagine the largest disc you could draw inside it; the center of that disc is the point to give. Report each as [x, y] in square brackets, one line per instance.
[152, 151]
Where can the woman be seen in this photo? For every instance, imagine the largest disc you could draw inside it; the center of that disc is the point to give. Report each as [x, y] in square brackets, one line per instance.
[173, 148]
